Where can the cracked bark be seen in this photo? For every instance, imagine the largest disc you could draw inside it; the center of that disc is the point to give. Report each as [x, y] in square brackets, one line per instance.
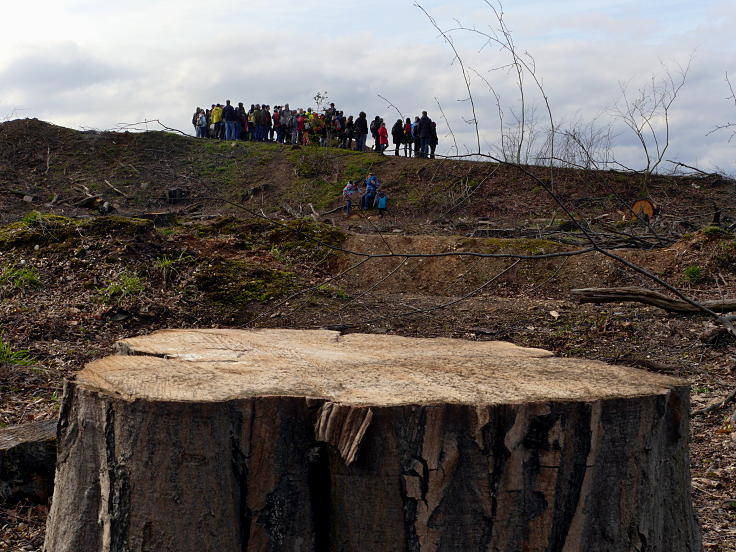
[299, 471]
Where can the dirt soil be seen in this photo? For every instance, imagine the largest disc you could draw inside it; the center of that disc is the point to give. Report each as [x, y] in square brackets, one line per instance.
[71, 286]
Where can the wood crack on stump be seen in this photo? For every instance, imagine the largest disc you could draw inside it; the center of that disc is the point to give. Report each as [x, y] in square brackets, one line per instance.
[343, 427]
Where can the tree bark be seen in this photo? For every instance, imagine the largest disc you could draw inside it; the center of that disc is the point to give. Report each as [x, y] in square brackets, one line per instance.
[27, 460]
[649, 297]
[231, 440]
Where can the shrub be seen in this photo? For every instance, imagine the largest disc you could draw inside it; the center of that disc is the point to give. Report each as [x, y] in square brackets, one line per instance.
[694, 274]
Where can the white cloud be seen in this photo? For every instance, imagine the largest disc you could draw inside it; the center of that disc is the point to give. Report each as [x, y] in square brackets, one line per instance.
[94, 64]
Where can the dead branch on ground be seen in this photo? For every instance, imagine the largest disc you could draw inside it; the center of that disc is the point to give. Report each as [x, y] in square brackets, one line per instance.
[650, 297]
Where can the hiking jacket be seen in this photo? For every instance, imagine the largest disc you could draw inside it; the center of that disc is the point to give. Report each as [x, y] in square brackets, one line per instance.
[228, 113]
[361, 126]
[217, 115]
[397, 133]
[371, 184]
[383, 135]
[425, 127]
[349, 190]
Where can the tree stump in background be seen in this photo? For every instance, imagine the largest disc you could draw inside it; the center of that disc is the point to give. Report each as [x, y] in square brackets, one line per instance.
[27, 459]
[232, 440]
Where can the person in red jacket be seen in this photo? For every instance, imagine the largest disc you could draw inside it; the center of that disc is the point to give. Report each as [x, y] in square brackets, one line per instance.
[382, 138]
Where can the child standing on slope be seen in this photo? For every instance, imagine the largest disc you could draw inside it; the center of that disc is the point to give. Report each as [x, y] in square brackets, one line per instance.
[347, 192]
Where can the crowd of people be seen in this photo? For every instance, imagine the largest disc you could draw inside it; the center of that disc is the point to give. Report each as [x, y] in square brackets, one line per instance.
[284, 125]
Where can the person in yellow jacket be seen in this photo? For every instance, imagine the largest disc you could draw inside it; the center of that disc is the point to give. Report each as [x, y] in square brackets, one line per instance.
[217, 120]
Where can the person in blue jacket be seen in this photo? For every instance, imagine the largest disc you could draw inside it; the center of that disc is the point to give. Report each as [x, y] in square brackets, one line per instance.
[371, 187]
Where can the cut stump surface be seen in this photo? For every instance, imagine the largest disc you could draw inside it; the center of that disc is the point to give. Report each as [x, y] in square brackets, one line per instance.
[311, 440]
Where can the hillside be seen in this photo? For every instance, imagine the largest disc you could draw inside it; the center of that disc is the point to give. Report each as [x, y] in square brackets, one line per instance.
[73, 281]
[134, 172]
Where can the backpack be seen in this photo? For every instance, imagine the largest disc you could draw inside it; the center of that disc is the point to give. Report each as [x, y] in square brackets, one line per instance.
[338, 123]
[373, 127]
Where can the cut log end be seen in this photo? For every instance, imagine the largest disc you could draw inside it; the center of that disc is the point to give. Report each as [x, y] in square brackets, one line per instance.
[309, 440]
[356, 369]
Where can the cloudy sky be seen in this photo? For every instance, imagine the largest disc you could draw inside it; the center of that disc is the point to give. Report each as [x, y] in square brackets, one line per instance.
[94, 64]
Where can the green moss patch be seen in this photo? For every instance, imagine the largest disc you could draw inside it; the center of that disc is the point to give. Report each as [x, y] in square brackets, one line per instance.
[303, 239]
[521, 246]
[237, 283]
[37, 229]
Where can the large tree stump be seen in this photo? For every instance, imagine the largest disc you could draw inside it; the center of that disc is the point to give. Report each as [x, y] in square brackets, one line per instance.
[227, 440]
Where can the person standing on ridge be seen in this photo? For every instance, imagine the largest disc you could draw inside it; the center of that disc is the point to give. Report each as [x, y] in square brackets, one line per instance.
[202, 124]
[267, 128]
[230, 118]
[408, 138]
[375, 125]
[382, 138]
[361, 131]
[433, 140]
[397, 134]
[425, 134]
[217, 121]
[195, 122]
[415, 134]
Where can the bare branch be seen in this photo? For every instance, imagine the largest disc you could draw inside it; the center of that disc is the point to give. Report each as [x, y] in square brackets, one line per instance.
[389, 104]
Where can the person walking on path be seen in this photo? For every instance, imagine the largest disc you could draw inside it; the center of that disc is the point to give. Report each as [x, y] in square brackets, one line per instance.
[397, 134]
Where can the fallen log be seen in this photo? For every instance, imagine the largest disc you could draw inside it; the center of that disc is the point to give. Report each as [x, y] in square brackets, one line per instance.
[27, 459]
[649, 297]
[236, 440]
